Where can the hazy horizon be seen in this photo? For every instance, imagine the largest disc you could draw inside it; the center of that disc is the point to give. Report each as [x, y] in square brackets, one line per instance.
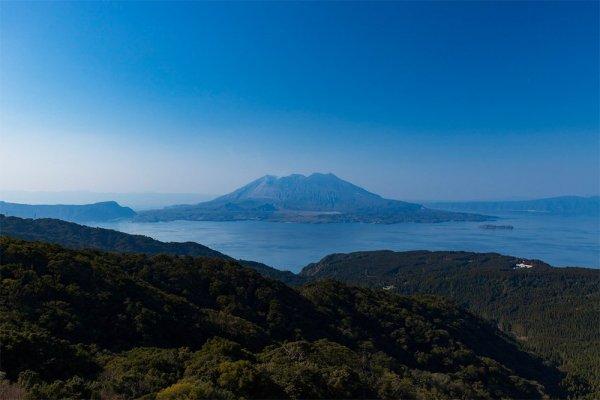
[425, 101]
[149, 200]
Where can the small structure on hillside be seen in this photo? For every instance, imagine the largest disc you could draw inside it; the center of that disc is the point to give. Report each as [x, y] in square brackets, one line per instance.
[523, 265]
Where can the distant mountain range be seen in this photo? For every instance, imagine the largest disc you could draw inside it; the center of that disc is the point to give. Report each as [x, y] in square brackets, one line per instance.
[318, 198]
[564, 205]
[98, 212]
[135, 200]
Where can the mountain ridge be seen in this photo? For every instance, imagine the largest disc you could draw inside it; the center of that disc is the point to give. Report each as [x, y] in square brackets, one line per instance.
[289, 190]
[316, 198]
[91, 324]
[98, 212]
[561, 205]
[552, 311]
[77, 237]
[548, 308]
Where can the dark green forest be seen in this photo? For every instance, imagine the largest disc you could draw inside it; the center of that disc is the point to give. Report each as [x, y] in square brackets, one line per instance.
[552, 311]
[91, 324]
[77, 236]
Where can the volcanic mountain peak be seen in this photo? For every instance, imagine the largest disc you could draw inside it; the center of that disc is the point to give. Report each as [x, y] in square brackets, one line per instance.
[298, 198]
[316, 192]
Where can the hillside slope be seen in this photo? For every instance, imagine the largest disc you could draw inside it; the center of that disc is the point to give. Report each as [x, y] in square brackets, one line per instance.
[550, 310]
[76, 236]
[297, 198]
[83, 324]
[104, 211]
[554, 311]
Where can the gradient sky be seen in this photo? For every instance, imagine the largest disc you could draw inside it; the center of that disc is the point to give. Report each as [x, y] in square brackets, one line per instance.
[429, 100]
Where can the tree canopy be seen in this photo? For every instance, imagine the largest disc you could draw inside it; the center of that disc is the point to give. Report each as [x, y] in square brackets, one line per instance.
[91, 324]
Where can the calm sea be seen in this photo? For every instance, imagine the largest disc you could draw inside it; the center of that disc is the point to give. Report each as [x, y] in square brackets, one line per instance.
[558, 240]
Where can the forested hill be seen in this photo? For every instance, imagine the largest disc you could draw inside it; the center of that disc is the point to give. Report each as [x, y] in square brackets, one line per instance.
[103, 211]
[554, 311]
[76, 236]
[89, 324]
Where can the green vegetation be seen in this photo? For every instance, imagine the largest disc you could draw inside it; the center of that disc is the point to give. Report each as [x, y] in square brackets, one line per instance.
[76, 236]
[91, 324]
[552, 311]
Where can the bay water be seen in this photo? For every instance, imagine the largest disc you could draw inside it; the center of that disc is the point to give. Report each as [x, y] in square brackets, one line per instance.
[555, 239]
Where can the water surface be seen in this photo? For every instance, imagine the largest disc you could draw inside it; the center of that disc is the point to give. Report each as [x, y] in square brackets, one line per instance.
[558, 240]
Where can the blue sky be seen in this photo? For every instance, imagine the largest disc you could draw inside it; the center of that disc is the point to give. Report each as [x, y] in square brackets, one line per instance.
[427, 100]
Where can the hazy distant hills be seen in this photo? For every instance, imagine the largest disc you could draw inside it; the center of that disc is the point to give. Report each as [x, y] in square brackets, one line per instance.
[135, 200]
[104, 211]
[564, 205]
[317, 198]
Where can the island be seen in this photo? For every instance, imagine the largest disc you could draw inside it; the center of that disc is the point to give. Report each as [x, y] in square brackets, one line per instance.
[317, 198]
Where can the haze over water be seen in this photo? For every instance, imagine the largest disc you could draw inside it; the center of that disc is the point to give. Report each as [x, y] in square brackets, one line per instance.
[557, 240]
[410, 100]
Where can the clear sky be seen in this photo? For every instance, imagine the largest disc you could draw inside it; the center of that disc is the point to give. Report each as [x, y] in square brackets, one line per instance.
[428, 100]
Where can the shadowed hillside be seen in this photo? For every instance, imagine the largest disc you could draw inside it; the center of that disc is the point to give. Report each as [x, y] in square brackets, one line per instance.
[88, 324]
[76, 236]
[554, 311]
[550, 310]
